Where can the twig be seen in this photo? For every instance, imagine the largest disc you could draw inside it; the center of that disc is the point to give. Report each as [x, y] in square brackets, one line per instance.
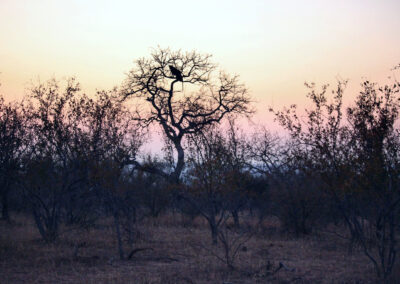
[136, 250]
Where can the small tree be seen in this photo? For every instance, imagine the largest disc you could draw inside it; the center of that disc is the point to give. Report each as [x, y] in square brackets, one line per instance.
[115, 140]
[357, 163]
[238, 176]
[151, 190]
[292, 185]
[12, 146]
[267, 158]
[55, 163]
[376, 179]
[216, 180]
[206, 182]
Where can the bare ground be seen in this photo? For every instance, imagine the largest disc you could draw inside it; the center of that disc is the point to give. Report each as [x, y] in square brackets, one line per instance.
[176, 254]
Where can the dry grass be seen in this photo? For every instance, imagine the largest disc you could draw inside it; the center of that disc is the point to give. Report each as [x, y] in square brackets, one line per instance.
[180, 255]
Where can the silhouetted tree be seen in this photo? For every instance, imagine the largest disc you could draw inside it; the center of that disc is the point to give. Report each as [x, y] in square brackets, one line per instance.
[357, 163]
[375, 195]
[238, 176]
[115, 139]
[207, 99]
[152, 191]
[293, 185]
[53, 169]
[217, 180]
[267, 156]
[12, 146]
[72, 137]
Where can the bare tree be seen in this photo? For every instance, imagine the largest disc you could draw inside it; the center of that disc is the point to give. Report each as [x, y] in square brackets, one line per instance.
[204, 98]
[207, 189]
[114, 138]
[217, 181]
[72, 137]
[238, 174]
[152, 191]
[50, 174]
[376, 179]
[357, 163]
[12, 142]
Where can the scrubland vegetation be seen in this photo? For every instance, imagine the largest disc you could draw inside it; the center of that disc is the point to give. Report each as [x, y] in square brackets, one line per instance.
[81, 201]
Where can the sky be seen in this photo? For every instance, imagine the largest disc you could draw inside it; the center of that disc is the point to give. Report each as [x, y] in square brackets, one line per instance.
[274, 46]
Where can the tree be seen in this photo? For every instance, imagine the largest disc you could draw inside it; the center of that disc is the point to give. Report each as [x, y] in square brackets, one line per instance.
[152, 191]
[115, 139]
[204, 99]
[74, 138]
[319, 147]
[238, 176]
[376, 179]
[292, 185]
[12, 142]
[55, 165]
[266, 160]
[356, 162]
[216, 179]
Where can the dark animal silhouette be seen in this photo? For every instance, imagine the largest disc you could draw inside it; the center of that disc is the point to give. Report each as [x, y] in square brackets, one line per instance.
[176, 73]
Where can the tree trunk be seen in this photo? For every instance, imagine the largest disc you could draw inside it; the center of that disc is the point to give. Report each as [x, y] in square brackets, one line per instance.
[235, 215]
[131, 221]
[4, 206]
[181, 160]
[214, 230]
[47, 226]
[119, 237]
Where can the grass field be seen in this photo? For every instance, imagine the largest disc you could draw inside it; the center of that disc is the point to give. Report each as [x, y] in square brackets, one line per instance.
[175, 252]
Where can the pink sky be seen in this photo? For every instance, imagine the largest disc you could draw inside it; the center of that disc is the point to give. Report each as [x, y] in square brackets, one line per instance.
[275, 46]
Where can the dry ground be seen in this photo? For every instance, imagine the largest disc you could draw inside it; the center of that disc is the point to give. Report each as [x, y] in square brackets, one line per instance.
[180, 254]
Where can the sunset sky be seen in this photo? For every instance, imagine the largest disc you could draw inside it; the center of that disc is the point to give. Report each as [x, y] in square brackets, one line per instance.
[275, 46]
